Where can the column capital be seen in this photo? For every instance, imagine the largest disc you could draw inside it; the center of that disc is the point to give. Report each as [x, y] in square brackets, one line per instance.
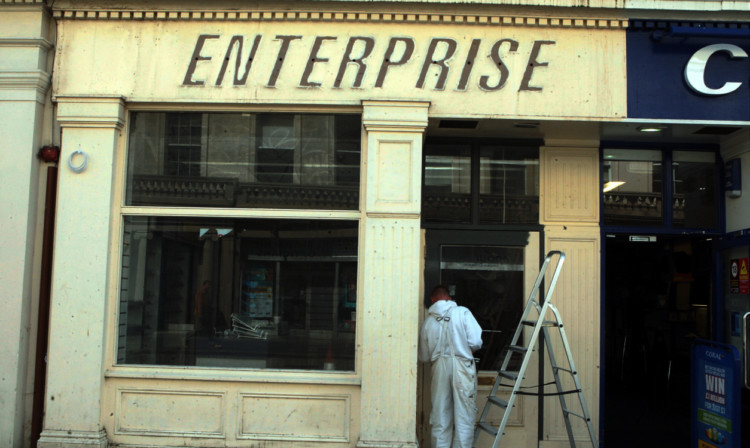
[24, 85]
[395, 115]
[90, 111]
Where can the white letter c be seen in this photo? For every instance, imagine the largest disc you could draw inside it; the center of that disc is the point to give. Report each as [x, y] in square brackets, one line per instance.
[696, 68]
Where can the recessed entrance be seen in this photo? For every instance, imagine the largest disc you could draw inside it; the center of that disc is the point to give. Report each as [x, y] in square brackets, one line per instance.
[658, 299]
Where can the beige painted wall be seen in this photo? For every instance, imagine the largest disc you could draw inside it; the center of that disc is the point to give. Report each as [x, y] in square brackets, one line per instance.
[24, 83]
[554, 67]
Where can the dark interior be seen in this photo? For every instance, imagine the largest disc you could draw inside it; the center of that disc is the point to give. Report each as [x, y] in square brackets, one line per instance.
[658, 297]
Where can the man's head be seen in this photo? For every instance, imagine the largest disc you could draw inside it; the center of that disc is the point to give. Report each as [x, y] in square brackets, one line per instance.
[440, 292]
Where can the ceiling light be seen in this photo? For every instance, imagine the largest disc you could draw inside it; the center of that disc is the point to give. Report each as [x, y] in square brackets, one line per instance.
[651, 128]
[611, 185]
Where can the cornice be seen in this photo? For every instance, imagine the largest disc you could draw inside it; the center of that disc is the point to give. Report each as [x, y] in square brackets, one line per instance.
[341, 17]
[37, 42]
[24, 79]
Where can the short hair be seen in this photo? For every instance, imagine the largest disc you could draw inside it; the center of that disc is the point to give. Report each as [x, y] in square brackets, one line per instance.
[440, 289]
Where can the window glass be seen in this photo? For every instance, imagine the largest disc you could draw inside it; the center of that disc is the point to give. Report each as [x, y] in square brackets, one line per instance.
[446, 193]
[509, 185]
[632, 187]
[287, 161]
[241, 293]
[694, 186]
[489, 281]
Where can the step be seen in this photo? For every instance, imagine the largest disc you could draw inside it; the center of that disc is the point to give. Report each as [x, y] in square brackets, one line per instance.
[486, 427]
[546, 323]
[517, 348]
[567, 412]
[498, 401]
[510, 375]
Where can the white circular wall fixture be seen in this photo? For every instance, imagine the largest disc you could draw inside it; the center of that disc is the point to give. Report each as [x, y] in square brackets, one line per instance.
[82, 165]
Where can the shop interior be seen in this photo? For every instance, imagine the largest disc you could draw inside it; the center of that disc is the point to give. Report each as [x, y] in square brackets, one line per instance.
[239, 293]
[658, 300]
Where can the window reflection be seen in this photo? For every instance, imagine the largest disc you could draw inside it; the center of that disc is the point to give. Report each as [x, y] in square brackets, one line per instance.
[446, 193]
[244, 160]
[509, 185]
[489, 281]
[694, 180]
[481, 184]
[238, 293]
[632, 187]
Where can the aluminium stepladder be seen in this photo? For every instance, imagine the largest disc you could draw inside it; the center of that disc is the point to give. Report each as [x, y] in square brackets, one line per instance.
[540, 325]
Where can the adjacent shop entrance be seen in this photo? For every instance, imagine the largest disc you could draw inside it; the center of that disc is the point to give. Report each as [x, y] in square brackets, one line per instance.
[658, 299]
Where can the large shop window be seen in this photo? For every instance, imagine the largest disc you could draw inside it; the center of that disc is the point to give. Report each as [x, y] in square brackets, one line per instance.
[634, 190]
[244, 160]
[472, 183]
[237, 291]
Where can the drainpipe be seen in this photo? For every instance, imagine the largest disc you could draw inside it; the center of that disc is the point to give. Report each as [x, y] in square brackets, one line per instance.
[42, 335]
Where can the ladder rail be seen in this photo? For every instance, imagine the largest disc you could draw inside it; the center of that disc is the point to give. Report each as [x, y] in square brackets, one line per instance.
[574, 374]
[531, 303]
[558, 384]
[541, 327]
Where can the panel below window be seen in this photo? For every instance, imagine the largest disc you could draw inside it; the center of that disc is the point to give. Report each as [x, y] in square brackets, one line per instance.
[238, 293]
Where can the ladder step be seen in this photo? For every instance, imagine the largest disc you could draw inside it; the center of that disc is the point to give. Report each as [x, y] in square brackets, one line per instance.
[497, 401]
[567, 412]
[546, 323]
[510, 375]
[486, 427]
[564, 370]
[519, 349]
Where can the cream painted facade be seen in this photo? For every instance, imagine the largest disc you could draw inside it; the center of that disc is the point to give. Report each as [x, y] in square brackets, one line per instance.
[560, 67]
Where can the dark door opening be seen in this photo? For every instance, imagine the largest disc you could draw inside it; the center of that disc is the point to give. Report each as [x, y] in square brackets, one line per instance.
[658, 296]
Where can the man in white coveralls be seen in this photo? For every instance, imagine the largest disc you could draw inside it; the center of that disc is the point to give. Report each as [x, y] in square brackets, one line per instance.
[449, 337]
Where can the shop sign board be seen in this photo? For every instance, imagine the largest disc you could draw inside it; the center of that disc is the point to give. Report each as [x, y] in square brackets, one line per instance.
[716, 397]
[739, 276]
[474, 70]
[696, 72]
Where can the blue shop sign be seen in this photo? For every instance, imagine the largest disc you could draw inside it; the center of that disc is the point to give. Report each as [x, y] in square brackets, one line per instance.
[716, 396]
[688, 71]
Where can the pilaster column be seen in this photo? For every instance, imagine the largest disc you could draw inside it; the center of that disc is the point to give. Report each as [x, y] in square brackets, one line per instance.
[81, 265]
[393, 179]
[569, 208]
[24, 81]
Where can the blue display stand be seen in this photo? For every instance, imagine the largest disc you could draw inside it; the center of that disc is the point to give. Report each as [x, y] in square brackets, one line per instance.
[716, 396]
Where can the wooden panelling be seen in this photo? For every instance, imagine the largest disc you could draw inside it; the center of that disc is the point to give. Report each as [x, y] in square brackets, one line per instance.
[294, 417]
[569, 185]
[170, 413]
[577, 296]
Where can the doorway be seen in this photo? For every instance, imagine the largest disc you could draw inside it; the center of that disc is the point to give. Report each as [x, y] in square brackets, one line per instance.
[658, 297]
[490, 272]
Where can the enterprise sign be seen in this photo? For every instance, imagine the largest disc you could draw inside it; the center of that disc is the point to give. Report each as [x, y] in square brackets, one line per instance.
[367, 61]
[698, 75]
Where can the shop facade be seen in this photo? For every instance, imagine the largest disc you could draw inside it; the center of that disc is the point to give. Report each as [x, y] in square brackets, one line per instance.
[253, 202]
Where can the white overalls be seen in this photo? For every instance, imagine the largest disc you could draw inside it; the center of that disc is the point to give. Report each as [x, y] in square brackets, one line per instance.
[454, 391]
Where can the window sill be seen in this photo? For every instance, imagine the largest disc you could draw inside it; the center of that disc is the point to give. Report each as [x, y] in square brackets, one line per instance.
[235, 375]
